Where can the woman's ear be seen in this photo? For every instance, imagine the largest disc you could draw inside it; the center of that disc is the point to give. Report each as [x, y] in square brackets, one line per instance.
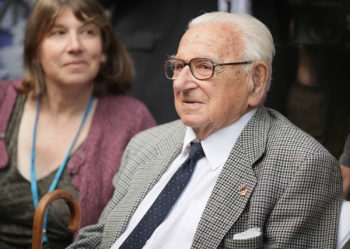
[260, 78]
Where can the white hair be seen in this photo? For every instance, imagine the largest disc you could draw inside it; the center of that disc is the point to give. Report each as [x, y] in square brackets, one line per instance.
[256, 37]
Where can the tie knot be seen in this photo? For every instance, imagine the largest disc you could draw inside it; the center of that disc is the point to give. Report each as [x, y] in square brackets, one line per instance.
[196, 151]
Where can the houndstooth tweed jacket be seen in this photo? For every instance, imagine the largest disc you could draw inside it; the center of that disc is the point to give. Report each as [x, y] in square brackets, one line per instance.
[277, 178]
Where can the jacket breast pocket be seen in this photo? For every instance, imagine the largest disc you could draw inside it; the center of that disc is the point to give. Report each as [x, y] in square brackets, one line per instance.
[250, 243]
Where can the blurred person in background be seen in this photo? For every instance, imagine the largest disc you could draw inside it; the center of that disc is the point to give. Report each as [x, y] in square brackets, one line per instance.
[13, 19]
[66, 123]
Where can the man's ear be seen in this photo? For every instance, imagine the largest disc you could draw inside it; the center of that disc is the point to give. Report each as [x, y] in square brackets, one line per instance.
[260, 77]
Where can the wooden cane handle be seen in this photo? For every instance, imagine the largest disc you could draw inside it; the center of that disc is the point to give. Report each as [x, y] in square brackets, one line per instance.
[39, 214]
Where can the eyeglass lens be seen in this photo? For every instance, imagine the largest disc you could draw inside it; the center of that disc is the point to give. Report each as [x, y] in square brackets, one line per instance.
[199, 67]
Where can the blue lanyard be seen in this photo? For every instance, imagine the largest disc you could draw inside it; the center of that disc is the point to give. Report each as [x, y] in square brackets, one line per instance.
[33, 182]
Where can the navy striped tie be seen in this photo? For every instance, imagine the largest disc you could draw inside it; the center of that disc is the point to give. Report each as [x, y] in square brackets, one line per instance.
[166, 199]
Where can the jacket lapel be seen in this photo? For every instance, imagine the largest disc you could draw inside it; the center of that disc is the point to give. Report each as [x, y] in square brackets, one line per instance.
[235, 184]
[143, 182]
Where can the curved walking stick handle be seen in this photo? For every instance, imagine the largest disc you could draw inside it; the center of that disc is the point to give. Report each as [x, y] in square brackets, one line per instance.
[39, 214]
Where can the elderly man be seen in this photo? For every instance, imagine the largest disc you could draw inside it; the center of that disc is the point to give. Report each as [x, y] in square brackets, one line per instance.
[257, 180]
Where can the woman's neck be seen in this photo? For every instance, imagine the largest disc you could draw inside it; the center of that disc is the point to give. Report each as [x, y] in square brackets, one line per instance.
[65, 104]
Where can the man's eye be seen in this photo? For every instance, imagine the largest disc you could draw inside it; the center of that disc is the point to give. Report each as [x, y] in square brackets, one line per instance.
[178, 66]
[204, 66]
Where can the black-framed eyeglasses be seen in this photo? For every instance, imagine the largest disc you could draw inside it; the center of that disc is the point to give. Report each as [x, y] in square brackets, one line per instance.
[201, 68]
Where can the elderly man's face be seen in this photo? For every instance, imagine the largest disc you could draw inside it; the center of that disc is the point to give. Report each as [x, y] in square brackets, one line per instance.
[209, 105]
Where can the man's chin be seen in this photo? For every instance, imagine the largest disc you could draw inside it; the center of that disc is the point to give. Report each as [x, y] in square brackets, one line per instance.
[190, 120]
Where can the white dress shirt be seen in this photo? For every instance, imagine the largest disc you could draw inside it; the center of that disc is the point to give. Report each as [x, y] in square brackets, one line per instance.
[178, 228]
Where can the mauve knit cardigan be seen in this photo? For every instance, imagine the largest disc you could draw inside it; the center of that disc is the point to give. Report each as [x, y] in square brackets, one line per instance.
[116, 120]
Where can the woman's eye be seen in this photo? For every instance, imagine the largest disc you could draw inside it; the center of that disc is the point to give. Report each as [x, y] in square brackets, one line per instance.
[88, 31]
[57, 32]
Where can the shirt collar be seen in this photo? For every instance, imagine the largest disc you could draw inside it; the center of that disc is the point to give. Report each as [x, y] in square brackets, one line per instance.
[217, 146]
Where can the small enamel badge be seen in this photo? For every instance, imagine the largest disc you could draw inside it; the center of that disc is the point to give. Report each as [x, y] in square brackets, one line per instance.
[242, 190]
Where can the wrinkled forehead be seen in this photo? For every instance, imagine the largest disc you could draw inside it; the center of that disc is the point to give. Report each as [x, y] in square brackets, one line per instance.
[213, 41]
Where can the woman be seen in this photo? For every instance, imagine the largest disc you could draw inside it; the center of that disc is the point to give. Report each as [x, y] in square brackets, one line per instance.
[66, 124]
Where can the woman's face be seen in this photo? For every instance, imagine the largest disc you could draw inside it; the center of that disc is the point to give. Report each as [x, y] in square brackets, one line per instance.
[71, 53]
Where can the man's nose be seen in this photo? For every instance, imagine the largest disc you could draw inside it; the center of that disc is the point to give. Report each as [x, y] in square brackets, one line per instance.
[184, 80]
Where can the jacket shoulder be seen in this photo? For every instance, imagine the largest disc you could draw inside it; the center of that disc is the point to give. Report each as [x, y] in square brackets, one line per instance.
[284, 133]
[159, 138]
[165, 134]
